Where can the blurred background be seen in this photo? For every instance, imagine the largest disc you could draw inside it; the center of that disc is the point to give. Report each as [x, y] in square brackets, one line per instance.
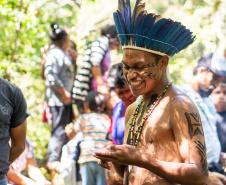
[24, 33]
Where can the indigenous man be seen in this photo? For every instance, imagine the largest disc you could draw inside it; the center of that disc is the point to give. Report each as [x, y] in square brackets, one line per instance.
[164, 142]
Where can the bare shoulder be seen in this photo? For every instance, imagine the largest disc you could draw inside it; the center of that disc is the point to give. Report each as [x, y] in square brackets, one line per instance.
[180, 102]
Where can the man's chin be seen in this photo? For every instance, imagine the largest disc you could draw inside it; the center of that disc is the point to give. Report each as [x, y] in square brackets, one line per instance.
[221, 109]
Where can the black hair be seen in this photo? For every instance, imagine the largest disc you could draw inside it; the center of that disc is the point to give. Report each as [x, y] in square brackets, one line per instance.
[95, 101]
[115, 78]
[109, 31]
[195, 70]
[120, 80]
[57, 33]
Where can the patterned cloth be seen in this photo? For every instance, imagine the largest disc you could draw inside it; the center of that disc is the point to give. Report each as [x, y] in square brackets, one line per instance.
[94, 127]
[98, 54]
[208, 116]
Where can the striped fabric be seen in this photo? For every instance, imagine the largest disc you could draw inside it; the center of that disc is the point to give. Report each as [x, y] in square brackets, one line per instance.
[94, 127]
[93, 57]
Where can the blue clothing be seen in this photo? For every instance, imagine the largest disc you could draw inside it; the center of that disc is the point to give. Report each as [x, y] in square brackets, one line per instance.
[13, 112]
[221, 129]
[3, 181]
[208, 116]
[93, 174]
[118, 119]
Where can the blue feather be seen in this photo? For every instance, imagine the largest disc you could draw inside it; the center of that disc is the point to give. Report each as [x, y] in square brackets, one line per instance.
[118, 27]
[126, 17]
[129, 16]
[150, 31]
[121, 8]
[120, 18]
[136, 26]
[140, 31]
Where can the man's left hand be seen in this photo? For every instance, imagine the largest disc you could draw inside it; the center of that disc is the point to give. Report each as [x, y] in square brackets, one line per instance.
[121, 154]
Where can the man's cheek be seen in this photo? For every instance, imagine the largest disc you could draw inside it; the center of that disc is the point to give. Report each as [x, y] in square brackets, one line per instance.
[150, 75]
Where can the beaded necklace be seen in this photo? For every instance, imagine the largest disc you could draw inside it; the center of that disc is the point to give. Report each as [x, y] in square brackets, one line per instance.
[137, 132]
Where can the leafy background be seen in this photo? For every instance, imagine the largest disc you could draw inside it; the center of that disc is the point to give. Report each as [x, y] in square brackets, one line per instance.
[24, 33]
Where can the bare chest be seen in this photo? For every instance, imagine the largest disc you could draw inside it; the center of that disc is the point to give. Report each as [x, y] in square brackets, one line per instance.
[156, 128]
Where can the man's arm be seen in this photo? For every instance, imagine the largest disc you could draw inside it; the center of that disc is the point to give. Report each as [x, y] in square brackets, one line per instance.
[187, 130]
[18, 139]
[18, 178]
[189, 137]
[35, 173]
[96, 71]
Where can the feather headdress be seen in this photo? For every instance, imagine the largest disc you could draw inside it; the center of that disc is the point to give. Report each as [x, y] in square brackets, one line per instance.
[149, 32]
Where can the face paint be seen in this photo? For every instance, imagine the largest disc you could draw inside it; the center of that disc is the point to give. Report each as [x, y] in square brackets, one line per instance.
[141, 71]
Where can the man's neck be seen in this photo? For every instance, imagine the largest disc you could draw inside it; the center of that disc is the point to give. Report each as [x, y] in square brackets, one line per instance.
[156, 91]
[194, 84]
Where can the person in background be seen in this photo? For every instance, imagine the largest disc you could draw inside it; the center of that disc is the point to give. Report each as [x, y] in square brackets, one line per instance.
[210, 71]
[110, 102]
[59, 74]
[97, 61]
[94, 126]
[26, 161]
[121, 88]
[72, 52]
[117, 83]
[13, 124]
[219, 98]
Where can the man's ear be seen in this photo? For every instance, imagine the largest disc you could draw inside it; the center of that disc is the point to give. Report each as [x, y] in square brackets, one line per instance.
[164, 62]
[201, 70]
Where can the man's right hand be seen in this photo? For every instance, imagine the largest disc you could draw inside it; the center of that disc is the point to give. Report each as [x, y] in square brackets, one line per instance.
[216, 179]
[66, 96]
[69, 129]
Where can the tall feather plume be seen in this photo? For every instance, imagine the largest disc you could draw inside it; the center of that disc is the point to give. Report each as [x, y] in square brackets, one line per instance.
[139, 7]
[149, 31]
[129, 15]
[120, 6]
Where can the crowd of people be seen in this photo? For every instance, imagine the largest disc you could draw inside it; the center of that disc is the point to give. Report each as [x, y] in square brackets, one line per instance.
[133, 125]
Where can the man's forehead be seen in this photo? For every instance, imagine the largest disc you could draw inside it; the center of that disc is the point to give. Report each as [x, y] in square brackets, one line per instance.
[135, 52]
[137, 58]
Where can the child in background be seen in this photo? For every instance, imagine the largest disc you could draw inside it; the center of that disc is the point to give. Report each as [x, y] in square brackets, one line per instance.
[94, 125]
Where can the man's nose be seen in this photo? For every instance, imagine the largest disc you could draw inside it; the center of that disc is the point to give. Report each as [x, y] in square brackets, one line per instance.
[131, 74]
